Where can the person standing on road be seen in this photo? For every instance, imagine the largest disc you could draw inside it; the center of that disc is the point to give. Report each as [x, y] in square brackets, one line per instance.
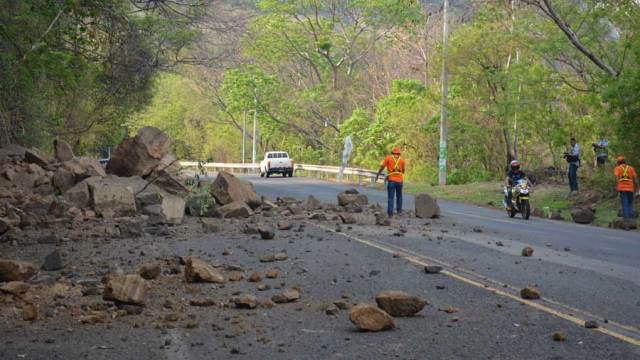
[573, 158]
[395, 175]
[627, 185]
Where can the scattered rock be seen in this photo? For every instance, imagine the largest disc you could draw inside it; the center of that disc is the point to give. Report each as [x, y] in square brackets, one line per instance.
[583, 214]
[236, 276]
[53, 261]
[4, 226]
[591, 324]
[11, 270]
[623, 224]
[196, 270]
[35, 156]
[255, 277]
[78, 195]
[210, 225]
[113, 195]
[527, 251]
[370, 318]
[62, 150]
[318, 216]
[29, 312]
[266, 232]
[63, 179]
[332, 310]
[14, 287]
[202, 302]
[237, 209]
[139, 155]
[289, 295]
[285, 225]
[558, 336]
[399, 303]
[271, 274]
[150, 271]
[228, 189]
[245, 301]
[426, 206]
[84, 167]
[342, 304]
[449, 309]
[128, 289]
[432, 269]
[530, 293]
[313, 203]
[345, 199]
[382, 219]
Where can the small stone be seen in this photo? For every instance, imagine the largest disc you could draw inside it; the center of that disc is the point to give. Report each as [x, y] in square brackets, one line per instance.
[567, 249]
[432, 269]
[370, 318]
[332, 310]
[399, 303]
[271, 274]
[53, 261]
[210, 225]
[449, 309]
[14, 287]
[236, 276]
[341, 304]
[266, 232]
[202, 302]
[197, 270]
[499, 243]
[530, 293]
[267, 303]
[591, 324]
[289, 295]
[255, 277]
[558, 336]
[149, 271]
[246, 301]
[285, 226]
[129, 289]
[227, 252]
[11, 270]
[263, 287]
[29, 312]
[527, 251]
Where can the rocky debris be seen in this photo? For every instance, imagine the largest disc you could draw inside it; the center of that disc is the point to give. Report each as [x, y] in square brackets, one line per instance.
[266, 232]
[245, 301]
[399, 303]
[236, 276]
[426, 206]
[289, 295]
[35, 156]
[382, 219]
[530, 293]
[313, 203]
[14, 287]
[255, 277]
[110, 195]
[285, 225]
[139, 155]
[558, 336]
[591, 324]
[236, 209]
[623, 224]
[78, 195]
[202, 205]
[527, 251]
[84, 167]
[150, 271]
[4, 226]
[583, 214]
[250, 229]
[202, 302]
[432, 269]
[352, 197]
[332, 310]
[161, 206]
[196, 270]
[279, 256]
[62, 150]
[228, 189]
[271, 274]
[318, 217]
[370, 318]
[53, 261]
[128, 289]
[348, 218]
[29, 312]
[210, 225]
[63, 180]
[12, 270]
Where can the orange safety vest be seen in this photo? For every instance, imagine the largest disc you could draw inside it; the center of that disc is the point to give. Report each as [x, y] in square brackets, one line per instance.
[395, 168]
[624, 176]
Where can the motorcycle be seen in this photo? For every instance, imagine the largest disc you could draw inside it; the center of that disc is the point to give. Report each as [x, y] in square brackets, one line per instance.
[519, 199]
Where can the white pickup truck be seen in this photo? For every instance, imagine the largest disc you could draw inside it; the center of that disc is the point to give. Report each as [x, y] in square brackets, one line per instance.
[276, 162]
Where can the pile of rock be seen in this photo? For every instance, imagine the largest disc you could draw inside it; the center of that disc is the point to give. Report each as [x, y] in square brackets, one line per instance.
[390, 304]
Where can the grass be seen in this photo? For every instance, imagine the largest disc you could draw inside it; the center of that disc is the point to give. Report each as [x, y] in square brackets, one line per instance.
[490, 194]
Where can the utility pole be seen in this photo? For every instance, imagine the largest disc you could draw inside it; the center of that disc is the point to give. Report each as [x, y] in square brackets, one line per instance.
[255, 126]
[442, 163]
[244, 135]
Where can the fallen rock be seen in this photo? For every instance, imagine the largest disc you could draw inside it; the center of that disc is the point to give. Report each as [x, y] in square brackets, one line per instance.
[271, 274]
[527, 251]
[35, 156]
[266, 232]
[128, 289]
[14, 287]
[12, 270]
[583, 215]
[426, 206]
[4, 225]
[255, 277]
[210, 225]
[432, 269]
[53, 261]
[382, 219]
[228, 189]
[289, 295]
[285, 225]
[530, 293]
[318, 216]
[623, 224]
[345, 199]
[62, 150]
[313, 203]
[236, 276]
[348, 218]
[84, 167]
[63, 179]
[149, 271]
[112, 195]
[370, 318]
[141, 154]
[196, 270]
[202, 302]
[29, 312]
[245, 301]
[332, 310]
[237, 209]
[399, 303]
[558, 336]
[78, 195]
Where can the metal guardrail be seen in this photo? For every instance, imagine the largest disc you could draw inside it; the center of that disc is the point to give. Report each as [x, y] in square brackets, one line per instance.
[317, 171]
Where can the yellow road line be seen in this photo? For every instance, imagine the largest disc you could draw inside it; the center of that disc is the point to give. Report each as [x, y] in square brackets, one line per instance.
[536, 305]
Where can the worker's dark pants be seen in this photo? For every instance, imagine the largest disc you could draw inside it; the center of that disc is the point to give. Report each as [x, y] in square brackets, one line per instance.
[394, 188]
[573, 177]
[626, 200]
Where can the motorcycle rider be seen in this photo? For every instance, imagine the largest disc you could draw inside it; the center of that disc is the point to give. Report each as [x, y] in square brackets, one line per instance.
[513, 176]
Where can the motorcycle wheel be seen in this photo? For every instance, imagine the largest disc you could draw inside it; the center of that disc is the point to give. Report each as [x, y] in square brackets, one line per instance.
[526, 209]
[513, 211]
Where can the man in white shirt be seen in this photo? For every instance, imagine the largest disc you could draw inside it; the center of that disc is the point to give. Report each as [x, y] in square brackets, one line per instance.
[573, 158]
[601, 149]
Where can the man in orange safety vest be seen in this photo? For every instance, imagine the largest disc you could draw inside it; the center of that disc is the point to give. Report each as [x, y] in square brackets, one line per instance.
[395, 175]
[626, 185]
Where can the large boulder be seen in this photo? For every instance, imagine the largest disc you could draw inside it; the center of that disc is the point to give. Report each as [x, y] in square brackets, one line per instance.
[84, 167]
[370, 318]
[35, 156]
[12, 152]
[12, 270]
[113, 196]
[79, 195]
[128, 289]
[236, 209]
[141, 154]
[426, 206]
[63, 150]
[164, 207]
[227, 189]
[63, 179]
[346, 199]
[583, 214]
[399, 303]
[167, 176]
[196, 270]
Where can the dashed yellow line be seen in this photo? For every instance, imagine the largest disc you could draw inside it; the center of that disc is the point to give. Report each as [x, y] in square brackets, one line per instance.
[406, 254]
